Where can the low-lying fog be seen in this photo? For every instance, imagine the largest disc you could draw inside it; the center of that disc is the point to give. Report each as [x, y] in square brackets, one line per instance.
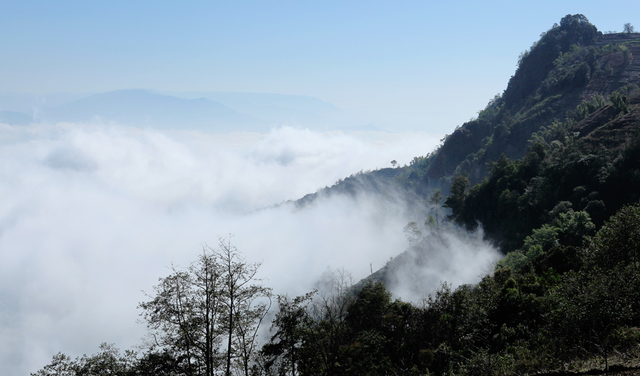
[92, 215]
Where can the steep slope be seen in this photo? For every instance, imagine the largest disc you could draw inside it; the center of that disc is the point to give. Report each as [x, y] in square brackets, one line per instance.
[590, 165]
[572, 62]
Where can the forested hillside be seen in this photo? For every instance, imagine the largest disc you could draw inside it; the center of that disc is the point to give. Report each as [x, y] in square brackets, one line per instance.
[550, 169]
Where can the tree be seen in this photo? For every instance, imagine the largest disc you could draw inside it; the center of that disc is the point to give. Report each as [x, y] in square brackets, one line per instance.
[196, 309]
[326, 332]
[368, 347]
[435, 200]
[108, 361]
[61, 365]
[394, 163]
[458, 192]
[289, 324]
[588, 308]
[244, 309]
[620, 102]
[628, 28]
[618, 241]
[185, 315]
[412, 232]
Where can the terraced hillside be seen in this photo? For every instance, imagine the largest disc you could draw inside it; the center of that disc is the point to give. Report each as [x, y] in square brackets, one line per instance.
[628, 68]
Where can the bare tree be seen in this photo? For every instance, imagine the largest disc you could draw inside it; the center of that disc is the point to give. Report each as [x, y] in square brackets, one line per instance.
[412, 233]
[184, 316]
[195, 309]
[246, 305]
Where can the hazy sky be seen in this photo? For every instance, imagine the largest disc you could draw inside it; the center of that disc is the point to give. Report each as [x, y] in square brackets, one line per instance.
[431, 64]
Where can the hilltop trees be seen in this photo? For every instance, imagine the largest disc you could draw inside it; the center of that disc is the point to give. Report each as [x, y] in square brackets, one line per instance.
[628, 28]
[537, 62]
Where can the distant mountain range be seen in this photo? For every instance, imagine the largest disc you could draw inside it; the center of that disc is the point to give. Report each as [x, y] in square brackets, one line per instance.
[205, 111]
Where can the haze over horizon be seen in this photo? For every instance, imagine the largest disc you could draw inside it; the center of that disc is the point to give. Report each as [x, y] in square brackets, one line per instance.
[404, 65]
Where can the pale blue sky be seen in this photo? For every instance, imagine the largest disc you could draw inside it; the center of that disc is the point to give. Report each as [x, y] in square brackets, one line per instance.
[409, 62]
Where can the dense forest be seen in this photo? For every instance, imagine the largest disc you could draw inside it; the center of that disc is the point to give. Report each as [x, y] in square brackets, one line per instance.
[550, 169]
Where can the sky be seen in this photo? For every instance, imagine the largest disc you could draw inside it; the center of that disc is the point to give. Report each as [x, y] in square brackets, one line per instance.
[427, 65]
[93, 214]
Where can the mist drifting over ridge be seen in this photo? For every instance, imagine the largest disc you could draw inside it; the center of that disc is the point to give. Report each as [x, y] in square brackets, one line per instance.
[446, 254]
[94, 213]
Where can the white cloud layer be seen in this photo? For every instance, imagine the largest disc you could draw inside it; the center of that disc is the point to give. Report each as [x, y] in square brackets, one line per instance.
[91, 215]
[446, 254]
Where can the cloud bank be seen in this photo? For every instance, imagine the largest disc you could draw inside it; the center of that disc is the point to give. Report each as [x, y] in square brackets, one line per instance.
[92, 215]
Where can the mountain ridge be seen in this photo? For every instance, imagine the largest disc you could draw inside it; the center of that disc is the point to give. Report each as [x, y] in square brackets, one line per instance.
[506, 126]
[143, 107]
[206, 111]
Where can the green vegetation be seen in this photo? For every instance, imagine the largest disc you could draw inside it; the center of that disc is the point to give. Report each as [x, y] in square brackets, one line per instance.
[560, 172]
[535, 64]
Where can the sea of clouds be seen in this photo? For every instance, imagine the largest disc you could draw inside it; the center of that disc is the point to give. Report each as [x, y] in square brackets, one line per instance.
[91, 215]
